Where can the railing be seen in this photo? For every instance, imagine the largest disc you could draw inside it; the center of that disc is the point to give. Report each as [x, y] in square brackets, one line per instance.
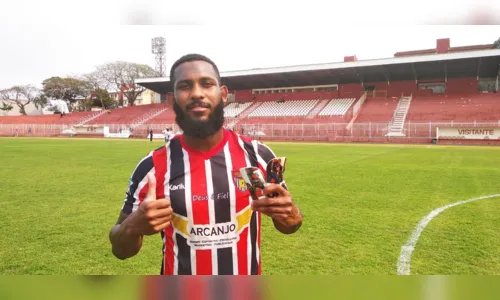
[357, 106]
[320, 131]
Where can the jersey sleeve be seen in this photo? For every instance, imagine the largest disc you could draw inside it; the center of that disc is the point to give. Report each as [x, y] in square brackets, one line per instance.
[137, 187]
[264, 156]
[264, 153]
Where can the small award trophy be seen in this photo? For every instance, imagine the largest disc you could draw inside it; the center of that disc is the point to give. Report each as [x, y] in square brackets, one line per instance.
[254, 180]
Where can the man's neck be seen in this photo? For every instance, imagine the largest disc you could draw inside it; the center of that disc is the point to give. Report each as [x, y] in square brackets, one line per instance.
[205, 144]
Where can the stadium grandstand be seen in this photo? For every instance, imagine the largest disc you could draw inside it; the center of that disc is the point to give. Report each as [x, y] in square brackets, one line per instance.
[441, 95]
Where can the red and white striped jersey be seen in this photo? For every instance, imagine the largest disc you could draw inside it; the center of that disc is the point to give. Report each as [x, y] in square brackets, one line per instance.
[213, 230]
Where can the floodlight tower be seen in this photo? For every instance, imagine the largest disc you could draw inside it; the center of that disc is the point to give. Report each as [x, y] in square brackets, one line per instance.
[159, 48]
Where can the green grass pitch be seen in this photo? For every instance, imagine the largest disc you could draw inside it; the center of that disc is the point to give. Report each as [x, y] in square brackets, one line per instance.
[360, 203]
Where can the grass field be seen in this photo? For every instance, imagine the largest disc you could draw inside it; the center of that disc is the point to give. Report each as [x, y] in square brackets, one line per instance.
[360, 203]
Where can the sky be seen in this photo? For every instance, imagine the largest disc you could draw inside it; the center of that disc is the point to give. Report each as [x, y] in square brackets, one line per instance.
[41, 39]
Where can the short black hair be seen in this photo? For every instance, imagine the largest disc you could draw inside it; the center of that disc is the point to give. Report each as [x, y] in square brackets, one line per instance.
[193, 57]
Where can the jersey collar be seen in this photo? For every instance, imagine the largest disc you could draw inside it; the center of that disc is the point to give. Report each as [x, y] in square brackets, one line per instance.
[209, 154]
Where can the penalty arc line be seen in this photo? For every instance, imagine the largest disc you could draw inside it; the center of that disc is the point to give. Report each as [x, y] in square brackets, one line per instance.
[404, 260]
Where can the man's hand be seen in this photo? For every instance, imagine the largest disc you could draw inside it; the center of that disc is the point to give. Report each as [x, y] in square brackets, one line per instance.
[285, 214]
[153, 215]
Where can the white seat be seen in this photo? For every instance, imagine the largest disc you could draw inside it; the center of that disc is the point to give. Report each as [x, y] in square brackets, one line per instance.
[337, 107]
[232, 110]
[289, 108]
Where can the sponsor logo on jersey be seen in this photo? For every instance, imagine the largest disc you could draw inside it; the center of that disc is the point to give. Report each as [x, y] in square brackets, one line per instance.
[219, 196]
[221, 235]
[176, 187]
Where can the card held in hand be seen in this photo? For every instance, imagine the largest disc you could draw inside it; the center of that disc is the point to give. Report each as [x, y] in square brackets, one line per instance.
[254, 180]
[275, 171]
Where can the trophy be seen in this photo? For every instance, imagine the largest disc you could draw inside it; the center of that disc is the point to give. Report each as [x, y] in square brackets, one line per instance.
[254, 180]
[275, 170]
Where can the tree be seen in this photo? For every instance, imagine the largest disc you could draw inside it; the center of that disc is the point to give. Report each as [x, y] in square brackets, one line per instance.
[496, 44]
[121, 76]
[40, 101]
[100, 97]
[68, 89]
[6, 107]
[95, 80]
[21, 95]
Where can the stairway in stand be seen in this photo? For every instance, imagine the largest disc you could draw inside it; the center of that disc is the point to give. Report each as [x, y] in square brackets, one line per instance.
[143, 119]
[95, 116]
[244, 114]
[317, 108]
[398, 120]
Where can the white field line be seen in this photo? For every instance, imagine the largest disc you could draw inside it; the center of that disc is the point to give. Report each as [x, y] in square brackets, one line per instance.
[404, 261]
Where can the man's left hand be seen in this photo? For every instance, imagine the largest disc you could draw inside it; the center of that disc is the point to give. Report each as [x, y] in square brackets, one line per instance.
[281, 208]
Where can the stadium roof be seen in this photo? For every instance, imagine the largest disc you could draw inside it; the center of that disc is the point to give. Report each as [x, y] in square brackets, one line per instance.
[482, 63]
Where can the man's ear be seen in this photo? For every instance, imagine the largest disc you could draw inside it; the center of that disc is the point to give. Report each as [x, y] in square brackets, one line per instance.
[170, 99]
[224, 92]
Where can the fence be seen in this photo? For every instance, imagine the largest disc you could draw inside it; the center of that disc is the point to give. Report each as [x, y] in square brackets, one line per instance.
[369, 132]
[32, 129]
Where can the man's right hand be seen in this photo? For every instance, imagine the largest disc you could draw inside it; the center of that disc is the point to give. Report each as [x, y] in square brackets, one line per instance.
[153, 215]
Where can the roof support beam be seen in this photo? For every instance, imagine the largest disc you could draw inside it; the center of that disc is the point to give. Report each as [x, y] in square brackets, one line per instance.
[478, 68]
[445, 72]
[496, 85]
[361, 79]
[386, 75]
[414, 73]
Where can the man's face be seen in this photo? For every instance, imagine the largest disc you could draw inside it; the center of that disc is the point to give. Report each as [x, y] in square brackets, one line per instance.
[198, 99]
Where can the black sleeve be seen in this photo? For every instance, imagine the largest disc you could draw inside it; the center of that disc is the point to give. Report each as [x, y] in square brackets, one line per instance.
[137, 182]
[265, 152]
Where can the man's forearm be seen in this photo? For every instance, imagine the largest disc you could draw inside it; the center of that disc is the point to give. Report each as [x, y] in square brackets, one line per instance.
[125, 243]
[291, 224]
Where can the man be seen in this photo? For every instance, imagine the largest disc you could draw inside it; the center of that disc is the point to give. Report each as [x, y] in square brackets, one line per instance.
[189, 190]
[170, 134]
[166, 133]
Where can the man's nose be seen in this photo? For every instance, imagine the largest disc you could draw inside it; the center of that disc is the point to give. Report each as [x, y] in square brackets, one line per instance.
[197, 92]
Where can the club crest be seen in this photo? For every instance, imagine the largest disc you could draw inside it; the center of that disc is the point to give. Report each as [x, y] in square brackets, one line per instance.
[238, 181]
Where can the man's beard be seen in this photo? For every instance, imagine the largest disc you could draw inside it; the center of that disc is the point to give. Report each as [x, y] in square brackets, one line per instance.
[200, 129]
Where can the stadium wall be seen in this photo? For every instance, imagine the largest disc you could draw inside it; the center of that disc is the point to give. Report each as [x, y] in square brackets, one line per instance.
[387, 88]
[462, 86]
[243, 95]
[416, 133]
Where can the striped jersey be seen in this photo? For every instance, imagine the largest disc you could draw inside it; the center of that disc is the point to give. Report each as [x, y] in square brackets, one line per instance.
[213, 229]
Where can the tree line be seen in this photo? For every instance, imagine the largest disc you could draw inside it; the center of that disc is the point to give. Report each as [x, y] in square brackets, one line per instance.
[81, 92]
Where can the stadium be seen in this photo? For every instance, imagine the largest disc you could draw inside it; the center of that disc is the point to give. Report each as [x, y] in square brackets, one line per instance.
[433, 95]
[391, 160]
